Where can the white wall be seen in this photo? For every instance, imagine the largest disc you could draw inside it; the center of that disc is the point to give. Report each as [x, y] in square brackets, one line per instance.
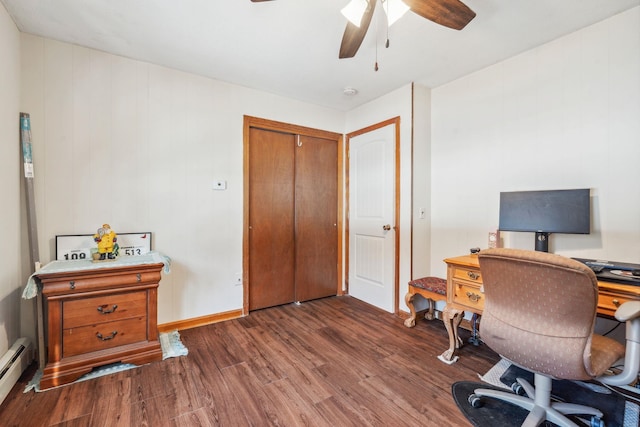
[421, 182]
[563, 115]
[11, 278]
[139, 146]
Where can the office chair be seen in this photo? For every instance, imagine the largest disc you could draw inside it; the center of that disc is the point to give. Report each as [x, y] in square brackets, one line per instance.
[539, 313]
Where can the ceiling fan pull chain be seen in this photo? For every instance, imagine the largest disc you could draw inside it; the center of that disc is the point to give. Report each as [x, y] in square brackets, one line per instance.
[375, 67]
[386, 45]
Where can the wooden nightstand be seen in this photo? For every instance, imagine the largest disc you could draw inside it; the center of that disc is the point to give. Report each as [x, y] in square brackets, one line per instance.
[99, 316]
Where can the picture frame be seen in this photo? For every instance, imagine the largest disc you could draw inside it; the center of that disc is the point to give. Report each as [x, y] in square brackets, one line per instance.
[70, 247]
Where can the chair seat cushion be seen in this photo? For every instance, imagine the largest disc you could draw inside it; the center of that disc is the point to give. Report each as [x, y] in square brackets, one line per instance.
[431, 284]
[604, 353]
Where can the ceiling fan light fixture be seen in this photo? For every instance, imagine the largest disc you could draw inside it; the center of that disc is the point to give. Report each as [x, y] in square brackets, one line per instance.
[354, 11]
[395, 9]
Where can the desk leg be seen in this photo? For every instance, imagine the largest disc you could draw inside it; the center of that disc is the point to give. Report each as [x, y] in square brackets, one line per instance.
[408, 299]
[451, 317]
[430, 314]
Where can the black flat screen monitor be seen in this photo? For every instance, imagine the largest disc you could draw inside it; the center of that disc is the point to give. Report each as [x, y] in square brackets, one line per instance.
[546, 212]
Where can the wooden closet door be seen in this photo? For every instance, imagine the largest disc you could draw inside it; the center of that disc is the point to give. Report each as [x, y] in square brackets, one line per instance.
[271, 219]
[316, 232]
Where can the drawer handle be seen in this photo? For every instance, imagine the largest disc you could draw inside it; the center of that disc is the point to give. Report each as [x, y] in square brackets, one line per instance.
[472, 275]
[473, 297]
[139, 277]
[72, 284]
[108, 337]
[616, 302]
[102, 310]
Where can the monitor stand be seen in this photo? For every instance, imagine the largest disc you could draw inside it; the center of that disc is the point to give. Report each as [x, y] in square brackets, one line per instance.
[542, 241]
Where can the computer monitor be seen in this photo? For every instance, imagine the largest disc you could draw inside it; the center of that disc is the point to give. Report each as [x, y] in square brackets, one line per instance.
[546, 212]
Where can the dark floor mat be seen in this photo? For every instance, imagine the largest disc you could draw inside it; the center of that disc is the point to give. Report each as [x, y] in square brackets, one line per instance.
[493, 412]
[582, 393]
[496, 413]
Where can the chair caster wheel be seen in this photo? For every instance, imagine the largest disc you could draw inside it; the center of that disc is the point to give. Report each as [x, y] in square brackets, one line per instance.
[596, 422]
[474, 401]
[517, 389]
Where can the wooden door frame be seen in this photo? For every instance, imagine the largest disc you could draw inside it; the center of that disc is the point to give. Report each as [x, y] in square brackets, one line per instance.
[260, 123]
[396, 226]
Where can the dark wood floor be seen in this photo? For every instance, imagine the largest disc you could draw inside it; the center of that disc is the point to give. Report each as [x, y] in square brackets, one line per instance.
[330, 362]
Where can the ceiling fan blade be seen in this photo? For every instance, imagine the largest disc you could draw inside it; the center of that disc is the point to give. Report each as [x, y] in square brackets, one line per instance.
[353, 35]
[257, 1]
[450, 13]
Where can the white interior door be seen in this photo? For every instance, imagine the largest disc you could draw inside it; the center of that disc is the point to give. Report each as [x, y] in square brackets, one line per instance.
[371, 217]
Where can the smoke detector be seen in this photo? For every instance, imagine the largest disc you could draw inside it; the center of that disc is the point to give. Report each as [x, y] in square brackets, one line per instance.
[349, 91]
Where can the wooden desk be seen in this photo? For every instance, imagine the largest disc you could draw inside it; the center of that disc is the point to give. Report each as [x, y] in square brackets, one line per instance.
[465, 293]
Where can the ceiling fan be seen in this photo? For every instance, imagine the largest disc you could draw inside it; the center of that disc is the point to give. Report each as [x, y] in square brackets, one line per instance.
[449, 13]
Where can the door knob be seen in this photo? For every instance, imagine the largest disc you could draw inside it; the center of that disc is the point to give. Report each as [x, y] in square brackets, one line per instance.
[386, 227]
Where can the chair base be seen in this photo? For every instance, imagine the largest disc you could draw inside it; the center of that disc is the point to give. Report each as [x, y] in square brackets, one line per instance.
[538, 403]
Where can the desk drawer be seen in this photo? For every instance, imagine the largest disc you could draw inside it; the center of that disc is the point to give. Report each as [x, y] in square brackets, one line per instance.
[467, 274]
[468, 295]
[105, 308]
[86, 339]
[608, 304]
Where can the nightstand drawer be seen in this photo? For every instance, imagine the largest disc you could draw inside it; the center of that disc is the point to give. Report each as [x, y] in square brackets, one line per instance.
[467, 274]
[106, 308]
[59, 284]
[90, 338]
[468, 295]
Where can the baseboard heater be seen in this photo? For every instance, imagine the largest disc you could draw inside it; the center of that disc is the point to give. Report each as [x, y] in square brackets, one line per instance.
[13, 364]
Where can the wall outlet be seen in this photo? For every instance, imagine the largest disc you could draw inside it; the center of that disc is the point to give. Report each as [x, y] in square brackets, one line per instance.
[238, 280]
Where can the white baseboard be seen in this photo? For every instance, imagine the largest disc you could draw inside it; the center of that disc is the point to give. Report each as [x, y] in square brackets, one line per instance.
[13, 363]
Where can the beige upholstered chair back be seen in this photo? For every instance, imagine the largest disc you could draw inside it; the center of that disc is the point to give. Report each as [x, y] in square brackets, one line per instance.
[540, 311]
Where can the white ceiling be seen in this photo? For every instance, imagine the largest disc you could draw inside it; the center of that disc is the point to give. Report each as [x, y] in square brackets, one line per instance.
[290, 47]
